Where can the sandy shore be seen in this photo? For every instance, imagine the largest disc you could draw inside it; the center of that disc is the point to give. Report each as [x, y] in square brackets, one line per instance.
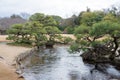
[8, 53]
[7, 73]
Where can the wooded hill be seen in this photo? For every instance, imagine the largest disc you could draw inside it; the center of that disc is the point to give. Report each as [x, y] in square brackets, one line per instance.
[6, 23]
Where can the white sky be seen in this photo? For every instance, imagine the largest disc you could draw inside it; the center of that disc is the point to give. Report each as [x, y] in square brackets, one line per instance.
[63, 8]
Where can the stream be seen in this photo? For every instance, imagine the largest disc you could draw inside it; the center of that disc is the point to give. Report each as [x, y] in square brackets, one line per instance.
[59, 64]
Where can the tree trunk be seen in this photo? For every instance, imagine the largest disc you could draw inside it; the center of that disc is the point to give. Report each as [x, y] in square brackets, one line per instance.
[115, 41]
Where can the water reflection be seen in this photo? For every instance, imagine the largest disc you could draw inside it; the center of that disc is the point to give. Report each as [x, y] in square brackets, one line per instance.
[58, 64]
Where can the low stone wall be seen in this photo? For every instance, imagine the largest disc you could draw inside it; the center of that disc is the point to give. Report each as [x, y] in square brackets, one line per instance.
[18, 61]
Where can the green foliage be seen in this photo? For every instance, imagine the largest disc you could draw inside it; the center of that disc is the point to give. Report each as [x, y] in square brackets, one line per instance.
[31, 32]
[74, 47]
[40, 39]
[114, 29]
[52, 30]
[52, 33]
[38, 31]
[93, 44]
[48, 27]
[35, 27]
[62, 28]
[89, 37]
[49, 24]
[37, 17]
[67, 40]
[70, 30]
[89, 18]
[58, 19]
[88, 28]
[100, 28]
[110, 17]
[16, 31]
[106, 27]
[64, 40]
[83, 43]
[43, 19]
[101, 25]
[82, 30]
[49, 21]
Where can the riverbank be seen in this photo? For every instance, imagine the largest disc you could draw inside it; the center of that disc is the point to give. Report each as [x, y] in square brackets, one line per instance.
[7, 56]
[8, 73]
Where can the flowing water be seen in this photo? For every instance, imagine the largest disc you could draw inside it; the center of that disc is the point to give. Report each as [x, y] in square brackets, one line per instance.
[59, 64]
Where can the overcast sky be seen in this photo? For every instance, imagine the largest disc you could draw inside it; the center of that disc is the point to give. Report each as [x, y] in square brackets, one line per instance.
[63, 8]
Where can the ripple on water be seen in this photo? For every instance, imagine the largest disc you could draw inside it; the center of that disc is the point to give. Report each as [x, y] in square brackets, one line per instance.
[64, 66]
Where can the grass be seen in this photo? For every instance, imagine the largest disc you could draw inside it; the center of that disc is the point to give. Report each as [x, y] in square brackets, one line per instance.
[20, 44]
